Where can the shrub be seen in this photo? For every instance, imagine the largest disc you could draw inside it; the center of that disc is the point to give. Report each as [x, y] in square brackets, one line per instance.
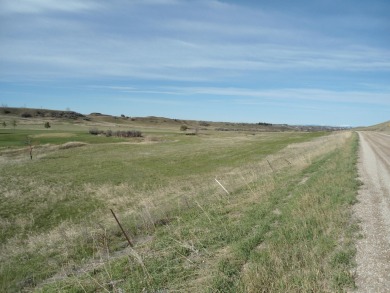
[264, 124]
[26, 115]
[136, 133]
[47, 124]
[128, 133]
[183, 128]
[94, 131]
[119, 133]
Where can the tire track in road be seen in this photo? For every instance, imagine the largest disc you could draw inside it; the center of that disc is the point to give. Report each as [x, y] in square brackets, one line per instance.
[373, 212]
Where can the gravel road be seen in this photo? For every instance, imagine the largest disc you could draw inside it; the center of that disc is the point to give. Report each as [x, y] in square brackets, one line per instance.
[373, 211]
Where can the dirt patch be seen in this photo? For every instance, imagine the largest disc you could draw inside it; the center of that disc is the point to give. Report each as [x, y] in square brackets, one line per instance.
[72, 144]
[373, 212]
[53, 135]
[303, 181]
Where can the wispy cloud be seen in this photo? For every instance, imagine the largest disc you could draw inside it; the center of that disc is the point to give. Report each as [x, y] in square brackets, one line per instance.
[193, 42]
[41, 6]
[247, 96]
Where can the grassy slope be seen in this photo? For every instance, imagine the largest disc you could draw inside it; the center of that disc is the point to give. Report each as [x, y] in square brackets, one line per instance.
[383, 127]
[75, 187]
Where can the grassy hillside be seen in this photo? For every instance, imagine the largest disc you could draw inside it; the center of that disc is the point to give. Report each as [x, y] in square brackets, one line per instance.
[383, 127]
[217, 211]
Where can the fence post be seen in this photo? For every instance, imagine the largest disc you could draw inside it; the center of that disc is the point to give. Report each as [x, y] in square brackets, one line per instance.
[120, 226]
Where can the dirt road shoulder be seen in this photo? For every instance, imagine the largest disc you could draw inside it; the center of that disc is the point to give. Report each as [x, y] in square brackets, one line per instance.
[373, 213]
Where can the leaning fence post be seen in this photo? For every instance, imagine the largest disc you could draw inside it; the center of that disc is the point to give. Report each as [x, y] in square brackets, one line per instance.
[270, 166]
[120, 226]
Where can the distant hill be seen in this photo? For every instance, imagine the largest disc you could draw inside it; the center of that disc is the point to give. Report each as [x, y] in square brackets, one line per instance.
[152, 121]
[39, 113]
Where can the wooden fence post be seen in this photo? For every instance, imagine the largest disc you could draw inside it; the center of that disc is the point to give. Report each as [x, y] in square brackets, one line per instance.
[120, 226]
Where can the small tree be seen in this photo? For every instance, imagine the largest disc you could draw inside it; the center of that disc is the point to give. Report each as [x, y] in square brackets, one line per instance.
[4, 124]
[47, 125]
[183, 128]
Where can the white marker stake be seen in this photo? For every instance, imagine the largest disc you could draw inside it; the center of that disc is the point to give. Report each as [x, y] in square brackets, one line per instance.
[222, 186]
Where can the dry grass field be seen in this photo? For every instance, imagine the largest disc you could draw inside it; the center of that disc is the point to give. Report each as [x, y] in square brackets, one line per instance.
[213, 212]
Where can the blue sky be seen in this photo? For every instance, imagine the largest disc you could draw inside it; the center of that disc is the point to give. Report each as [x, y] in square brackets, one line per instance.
[298, 62]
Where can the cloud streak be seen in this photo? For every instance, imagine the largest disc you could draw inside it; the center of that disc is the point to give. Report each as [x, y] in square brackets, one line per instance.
[43, 6]
[247, 96]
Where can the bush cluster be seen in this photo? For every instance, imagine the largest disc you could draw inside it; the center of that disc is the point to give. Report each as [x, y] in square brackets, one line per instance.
[119, 133]
[26, 115]
[204, 123]
[66, 114]
[95, 131]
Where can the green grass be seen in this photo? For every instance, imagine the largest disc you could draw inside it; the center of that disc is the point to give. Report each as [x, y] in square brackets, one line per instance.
[18, 137]
[305, 247]
[188, 234]
[144, 167]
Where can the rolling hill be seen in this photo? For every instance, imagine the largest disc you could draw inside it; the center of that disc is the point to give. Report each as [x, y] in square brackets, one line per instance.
[23, 115]
[383, 127]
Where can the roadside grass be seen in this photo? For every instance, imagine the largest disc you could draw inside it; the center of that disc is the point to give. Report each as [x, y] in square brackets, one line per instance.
[189, 235]
[309, 247]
